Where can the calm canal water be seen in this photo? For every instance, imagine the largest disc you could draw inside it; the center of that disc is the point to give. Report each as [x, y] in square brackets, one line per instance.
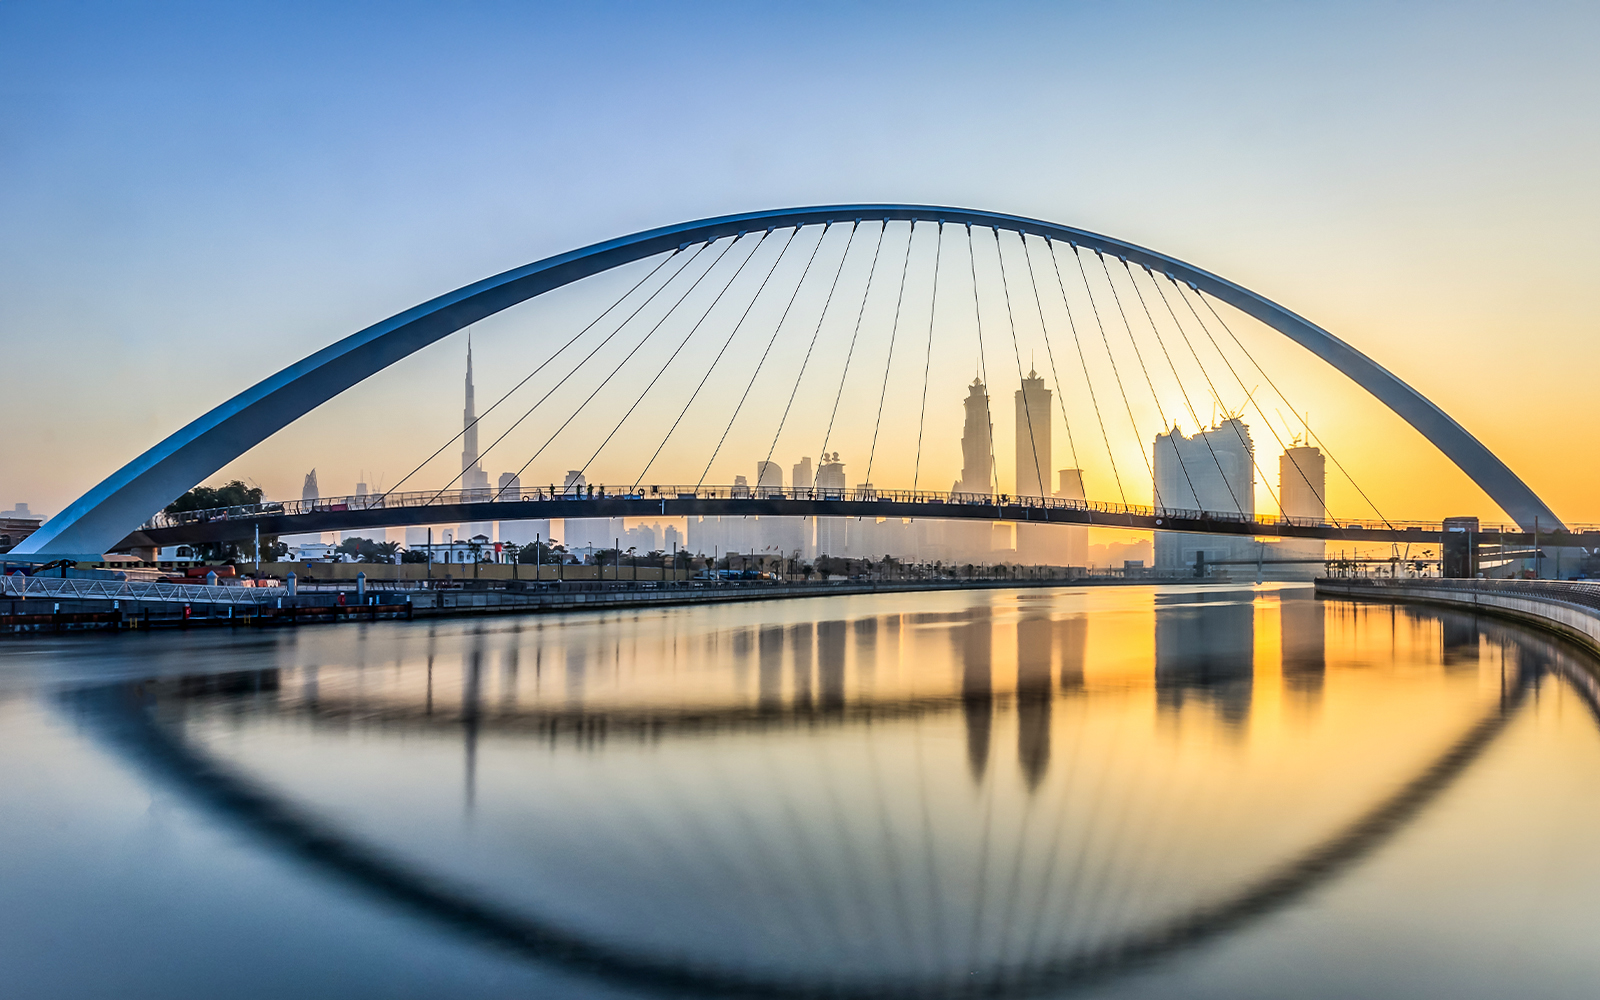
[1131, 792]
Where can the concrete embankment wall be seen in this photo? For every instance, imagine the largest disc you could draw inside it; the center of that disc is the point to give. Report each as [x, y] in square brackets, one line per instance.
[1569, 608]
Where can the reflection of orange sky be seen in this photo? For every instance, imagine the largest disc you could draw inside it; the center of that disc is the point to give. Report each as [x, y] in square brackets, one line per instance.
[1383, 700]
[1173, 804]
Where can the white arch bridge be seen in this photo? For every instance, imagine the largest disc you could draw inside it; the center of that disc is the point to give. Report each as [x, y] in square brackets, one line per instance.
[1092, 289]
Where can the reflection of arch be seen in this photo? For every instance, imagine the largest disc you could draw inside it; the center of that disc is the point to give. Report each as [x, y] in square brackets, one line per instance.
[111, 510]
[122, 714]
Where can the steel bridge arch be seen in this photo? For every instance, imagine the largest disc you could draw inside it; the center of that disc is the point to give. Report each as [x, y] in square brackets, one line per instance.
[109, 512]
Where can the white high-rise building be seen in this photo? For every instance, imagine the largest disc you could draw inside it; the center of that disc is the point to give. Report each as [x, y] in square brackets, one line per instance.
[1213, 471]
[1303, 493]
[769, 477]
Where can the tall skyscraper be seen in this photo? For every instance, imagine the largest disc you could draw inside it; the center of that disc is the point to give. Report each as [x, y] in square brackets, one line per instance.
[1033, 437]
[830, 474]
[1212, 471]
[977, 443]
[1303, 483]
[1303, 492]
[309, 491]
[800, 475]
[473, 477]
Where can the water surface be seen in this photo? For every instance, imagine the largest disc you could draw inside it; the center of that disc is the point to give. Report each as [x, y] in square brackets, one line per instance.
[1110, 792]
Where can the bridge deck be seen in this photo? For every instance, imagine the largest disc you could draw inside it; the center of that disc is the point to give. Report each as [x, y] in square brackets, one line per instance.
[400, 510]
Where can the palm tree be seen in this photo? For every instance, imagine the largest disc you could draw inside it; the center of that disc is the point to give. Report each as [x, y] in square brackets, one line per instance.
[388, 551]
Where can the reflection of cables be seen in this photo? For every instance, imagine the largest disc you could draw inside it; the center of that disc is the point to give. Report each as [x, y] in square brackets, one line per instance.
[547, 361]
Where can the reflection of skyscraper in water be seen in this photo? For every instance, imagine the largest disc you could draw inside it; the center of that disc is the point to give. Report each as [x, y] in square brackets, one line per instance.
[831, 638]
[1035, 637]
[973, 644]
[1302, 640]
[769, 676]
[1458, 638]
[1072, 643]
[801, 654]
[1206, 652]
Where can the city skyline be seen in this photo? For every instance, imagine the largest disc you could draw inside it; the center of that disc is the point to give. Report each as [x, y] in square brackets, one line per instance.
[338, 253]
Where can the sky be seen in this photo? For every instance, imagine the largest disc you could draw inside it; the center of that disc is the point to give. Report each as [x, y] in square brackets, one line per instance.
[194, 196]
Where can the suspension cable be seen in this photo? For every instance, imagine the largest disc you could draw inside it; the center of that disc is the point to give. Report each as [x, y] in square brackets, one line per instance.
[1249, 397]
[1176, 451]
[865, 294]
[983, 363]
[820, 317]
[475, 420]
[725, 344]
[731, 334]
[575, 369]
[1290, 405]
[927, 362]
[626, 358]
[1038, 303]
[1187, 402]
[1016, 349]
[1083, 360]
[1155, 488]
[894, 331]
[676, 351]
[1217, 396]
[770, 341]
[1307, 425]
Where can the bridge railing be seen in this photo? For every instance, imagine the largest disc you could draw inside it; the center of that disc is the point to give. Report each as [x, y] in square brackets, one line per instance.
[1007, 506]
[40, 587]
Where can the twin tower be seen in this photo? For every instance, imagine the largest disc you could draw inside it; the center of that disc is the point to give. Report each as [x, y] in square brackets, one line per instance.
[1033, 444]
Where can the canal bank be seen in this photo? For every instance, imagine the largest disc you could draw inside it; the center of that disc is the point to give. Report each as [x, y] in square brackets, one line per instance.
[77, 606]
[1569, 608]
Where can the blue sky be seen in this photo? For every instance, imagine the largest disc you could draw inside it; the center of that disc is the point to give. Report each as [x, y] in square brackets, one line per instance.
[192, 196]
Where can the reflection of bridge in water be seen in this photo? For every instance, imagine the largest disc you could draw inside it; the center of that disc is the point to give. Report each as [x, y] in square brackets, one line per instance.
[904, 885]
